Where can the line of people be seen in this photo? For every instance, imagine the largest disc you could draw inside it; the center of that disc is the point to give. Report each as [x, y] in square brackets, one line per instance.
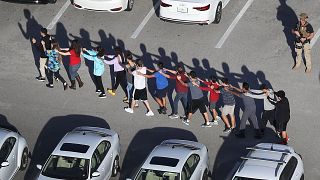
[132, 76]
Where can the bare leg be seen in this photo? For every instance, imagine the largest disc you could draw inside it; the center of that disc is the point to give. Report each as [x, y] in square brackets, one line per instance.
[133, 102]
[164, 101]
[159, 101]
[206, 117]
[215, 114]
[189, 116]
[225, 120]
[233, 121]
[146, 103]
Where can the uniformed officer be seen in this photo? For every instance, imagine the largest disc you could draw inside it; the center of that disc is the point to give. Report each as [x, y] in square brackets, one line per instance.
[304, 33]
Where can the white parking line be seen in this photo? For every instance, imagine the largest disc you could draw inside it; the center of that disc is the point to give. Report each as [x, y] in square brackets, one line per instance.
[57, 17]
[145, 20]
[315, 38]
[233, 24]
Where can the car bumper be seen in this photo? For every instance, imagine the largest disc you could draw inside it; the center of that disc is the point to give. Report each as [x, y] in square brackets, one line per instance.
[28, 1]
[201, 18]
[110, 6]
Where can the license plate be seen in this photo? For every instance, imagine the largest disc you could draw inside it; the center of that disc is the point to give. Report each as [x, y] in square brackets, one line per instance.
[182, 9]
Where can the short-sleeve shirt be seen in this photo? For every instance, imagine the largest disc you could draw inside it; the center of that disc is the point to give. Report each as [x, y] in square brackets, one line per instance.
[161, 80]
[195, 91]
[179, 86]
[309, 28]
[53, 63]
[139, 81]
[227, 97]
[74, 58]
[248, 102]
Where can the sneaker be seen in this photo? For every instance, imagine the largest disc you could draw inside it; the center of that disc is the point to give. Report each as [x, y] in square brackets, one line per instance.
[111, 92]
[98, 91]
[183, 117]
[149, 113]
[160, 111]
[308, 70]
[125, 98]
[65, 86]
[206, 125]
[126, 101]
[129, 110]
[227, 130]
[164, 110]
[215, 122]
[55, 78]
[102, 95]
[42, 79]
[49, 85]
[174, 116]
[186, 121]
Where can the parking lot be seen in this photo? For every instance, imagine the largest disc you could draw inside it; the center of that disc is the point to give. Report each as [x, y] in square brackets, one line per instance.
[251, 43]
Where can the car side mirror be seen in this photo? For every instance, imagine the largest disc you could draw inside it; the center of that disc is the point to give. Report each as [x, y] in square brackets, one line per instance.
[39, 166]
[95, 174]
[5, 164]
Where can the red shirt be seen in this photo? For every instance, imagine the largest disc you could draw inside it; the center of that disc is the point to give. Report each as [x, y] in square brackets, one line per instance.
[180, 87]
[74, 58]
[214, 97]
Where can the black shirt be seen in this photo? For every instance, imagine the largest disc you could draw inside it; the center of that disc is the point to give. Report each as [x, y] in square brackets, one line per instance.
[47, 43]
[309, 29]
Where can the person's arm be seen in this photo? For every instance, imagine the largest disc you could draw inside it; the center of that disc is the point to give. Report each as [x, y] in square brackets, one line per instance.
[145, 75]
[205, 88]
[164, 74]
[88, 56]
[256, 96]
[183, 83]
[170, 71]
[64, 49]
[111, 62]
[272, 101]
[235, 88]
[232, 92]
[64, 53]
[151, 70]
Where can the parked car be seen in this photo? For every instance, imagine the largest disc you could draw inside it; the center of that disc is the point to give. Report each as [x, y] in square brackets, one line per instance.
[33, 1]
[192, 11]
[272, 162]
[14, 153]
[84, 153]
[175, 160]
[102, 5]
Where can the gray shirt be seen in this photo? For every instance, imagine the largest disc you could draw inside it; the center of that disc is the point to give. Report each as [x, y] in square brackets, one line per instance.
[266, 104]
[248, 102]
[227, 97]
[196, 92]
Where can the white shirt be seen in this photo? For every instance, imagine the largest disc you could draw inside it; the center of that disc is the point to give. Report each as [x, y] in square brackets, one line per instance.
[266, 103]
[139, 81]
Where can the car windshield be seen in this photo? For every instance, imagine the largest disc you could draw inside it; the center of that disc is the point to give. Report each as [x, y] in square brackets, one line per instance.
[148, 174]
[70, 168]
[245, 178]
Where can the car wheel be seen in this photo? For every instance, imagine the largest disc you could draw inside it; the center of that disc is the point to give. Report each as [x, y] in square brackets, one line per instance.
[205, 175]
[130, 5]
[24, 159]
[52, 1]
[218, 15]
[115, 167]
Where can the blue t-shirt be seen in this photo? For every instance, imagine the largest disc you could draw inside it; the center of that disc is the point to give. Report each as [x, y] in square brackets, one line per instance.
[161, 81]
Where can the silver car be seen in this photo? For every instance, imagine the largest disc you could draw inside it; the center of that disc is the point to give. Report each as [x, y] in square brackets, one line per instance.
[176, 160]
[272, 162]
[14, 153]
[84, 153]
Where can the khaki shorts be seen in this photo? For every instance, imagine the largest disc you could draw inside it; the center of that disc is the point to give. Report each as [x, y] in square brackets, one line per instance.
[227, 109]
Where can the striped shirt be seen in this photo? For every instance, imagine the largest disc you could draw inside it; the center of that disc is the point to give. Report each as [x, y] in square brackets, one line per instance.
[227, 97]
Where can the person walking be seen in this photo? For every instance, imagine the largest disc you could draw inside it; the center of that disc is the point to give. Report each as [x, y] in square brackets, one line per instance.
[74, 64]
[162, 86]
[282, 114]
[228, 106]
[268, 113]
[43, 45]
[197, 99]
[212, 87]
[181, 91]
[249, 110]
[54, 63]
[129, 68]
[304, 33]
[97, 56]
[117, 61]
[140, 90]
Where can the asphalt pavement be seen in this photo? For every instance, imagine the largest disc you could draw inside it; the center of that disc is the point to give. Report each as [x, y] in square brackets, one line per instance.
[257, 50]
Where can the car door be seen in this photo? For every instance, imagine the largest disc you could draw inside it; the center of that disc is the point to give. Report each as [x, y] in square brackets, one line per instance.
[191, 169]
[8, 153]
[101, 161]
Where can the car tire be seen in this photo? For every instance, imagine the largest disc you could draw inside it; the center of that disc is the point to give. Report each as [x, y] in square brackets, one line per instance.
[130, 5]
[24, 159]
[218, 15]
[52, 1]
[115, 167]
[205, 175]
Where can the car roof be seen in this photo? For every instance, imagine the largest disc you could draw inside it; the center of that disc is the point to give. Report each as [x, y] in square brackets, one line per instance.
[265, 161]
[88, 136]
[176, 149]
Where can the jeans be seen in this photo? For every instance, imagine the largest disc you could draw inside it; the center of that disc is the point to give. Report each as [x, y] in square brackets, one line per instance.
[129, 90]
[56, 74]
[73, 71]
[180, 96]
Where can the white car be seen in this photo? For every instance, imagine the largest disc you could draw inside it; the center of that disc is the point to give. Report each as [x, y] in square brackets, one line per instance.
[272, 162]
[14, 153]
[176, 160]
[192, 11]
[104, 5]
[82, 154]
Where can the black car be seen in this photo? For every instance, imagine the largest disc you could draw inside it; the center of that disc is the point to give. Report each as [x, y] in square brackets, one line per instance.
[32, 1]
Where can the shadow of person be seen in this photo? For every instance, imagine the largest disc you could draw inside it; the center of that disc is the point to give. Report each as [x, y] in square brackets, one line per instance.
[288, 18]
[52, 133]
[262, 78]
[6, 125]
[233, 148]
[32, 31]
[143, 143]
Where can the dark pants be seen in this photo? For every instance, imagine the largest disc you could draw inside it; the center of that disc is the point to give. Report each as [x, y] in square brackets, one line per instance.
[98, 83]
[268, 115]
[249, 114]
[57, 75]
[121, 79]
[183, 96]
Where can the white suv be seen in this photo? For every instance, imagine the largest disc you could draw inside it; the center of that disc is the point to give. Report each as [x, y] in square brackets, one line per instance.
[272, 162]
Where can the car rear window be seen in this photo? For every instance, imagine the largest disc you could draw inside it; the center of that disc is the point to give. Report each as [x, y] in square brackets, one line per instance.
[79, 148]
[164, 161]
